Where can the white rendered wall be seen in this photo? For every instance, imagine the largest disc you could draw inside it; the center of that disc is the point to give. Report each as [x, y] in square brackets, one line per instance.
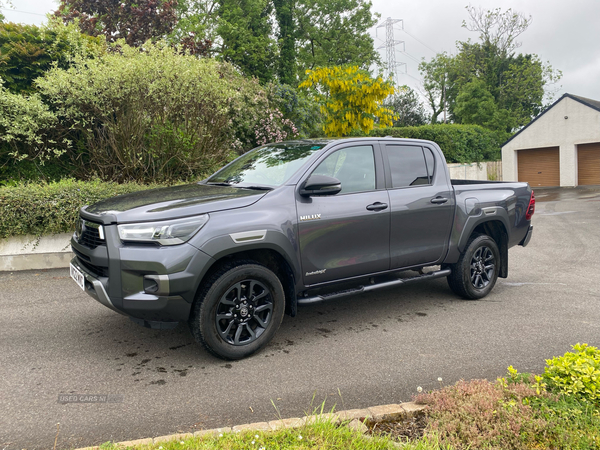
[581, 126]
[472, 171]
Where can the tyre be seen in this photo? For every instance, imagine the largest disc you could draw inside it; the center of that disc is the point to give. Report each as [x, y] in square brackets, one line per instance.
[476, 272]
[238, 310]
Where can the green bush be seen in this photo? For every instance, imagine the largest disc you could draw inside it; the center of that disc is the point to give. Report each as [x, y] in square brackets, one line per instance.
[156, 114]
[460, 143]
[49, 208]
[26, 128]
[575, 374]
[13, 171]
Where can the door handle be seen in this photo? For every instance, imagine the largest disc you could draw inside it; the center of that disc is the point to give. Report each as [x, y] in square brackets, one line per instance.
[439, 200]
[377, 206]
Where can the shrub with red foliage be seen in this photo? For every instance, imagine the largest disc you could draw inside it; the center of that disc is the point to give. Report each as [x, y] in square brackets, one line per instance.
[480, 414]
[195, 45]
[135, 21]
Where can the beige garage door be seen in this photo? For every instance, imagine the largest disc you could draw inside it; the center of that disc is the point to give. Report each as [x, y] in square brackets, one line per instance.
[588, 164]
[539, 166]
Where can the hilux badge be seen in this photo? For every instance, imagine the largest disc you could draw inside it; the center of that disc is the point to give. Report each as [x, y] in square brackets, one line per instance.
[310, 217]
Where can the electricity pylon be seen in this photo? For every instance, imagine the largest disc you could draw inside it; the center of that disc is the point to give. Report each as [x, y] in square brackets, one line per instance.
[390, 47]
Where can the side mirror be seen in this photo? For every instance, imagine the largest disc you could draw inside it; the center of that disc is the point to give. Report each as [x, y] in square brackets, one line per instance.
[321, 185]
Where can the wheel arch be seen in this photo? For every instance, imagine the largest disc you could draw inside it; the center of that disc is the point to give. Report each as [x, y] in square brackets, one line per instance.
[497, 230]
[271, 258]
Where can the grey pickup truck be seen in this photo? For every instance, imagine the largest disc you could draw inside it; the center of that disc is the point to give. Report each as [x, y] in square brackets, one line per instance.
[295, 223]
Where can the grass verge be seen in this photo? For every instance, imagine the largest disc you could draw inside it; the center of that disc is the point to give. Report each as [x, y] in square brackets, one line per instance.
[325, 435]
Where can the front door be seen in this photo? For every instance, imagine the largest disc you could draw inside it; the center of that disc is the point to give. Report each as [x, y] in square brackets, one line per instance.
[346, 234]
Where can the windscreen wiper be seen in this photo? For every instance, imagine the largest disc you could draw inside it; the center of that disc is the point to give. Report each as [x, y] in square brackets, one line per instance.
[222, 183]
[256, 188]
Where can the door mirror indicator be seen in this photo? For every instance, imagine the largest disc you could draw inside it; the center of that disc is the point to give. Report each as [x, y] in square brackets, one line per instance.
[320, 185]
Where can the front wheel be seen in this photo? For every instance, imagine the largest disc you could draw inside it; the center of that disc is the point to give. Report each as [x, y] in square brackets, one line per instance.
[476, 272]
[238, 310]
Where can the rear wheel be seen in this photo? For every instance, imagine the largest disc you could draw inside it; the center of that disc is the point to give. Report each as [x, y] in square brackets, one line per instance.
[238, 310]
[476, 272]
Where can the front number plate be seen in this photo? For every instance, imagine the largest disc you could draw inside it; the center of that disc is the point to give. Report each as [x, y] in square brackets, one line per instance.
[77, 276]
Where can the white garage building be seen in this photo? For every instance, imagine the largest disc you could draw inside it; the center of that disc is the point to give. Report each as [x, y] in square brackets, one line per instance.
[560, 147]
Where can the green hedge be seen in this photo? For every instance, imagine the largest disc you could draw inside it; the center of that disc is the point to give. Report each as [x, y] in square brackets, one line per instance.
[460, 143]
[49, 208]
[13, 171]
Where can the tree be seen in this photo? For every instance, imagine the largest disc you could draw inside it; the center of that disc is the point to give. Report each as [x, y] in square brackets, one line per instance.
[284, 12]
[263, 38]
[436, 79]
[245, 28]
[4, 4]
[475, 105]
[136, 21]
[407, 107]
[350, 99]
[313, 33]
[198, 17]
[28, 51]
[195, 29]
[497, 29]
[298, 107]
[334, 33]
[490, 72]
[516, 82]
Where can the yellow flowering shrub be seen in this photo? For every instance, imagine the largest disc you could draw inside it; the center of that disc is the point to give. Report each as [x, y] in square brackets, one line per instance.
[350, 99]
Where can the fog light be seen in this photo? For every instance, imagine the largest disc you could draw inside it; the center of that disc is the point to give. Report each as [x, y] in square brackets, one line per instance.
[150, 286]
[156, 284]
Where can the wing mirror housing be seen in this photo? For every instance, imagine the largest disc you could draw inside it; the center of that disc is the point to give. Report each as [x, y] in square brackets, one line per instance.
[321, 185]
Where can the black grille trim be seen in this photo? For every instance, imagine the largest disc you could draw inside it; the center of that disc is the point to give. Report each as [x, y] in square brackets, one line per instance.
[80, 255]
[88, 234]
[98, 271]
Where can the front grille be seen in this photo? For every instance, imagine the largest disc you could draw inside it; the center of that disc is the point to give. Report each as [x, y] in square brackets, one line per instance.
[98, 271]
[91, 238]
[88, 234]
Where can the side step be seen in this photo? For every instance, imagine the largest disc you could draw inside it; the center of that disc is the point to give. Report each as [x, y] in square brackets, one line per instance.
[372, 287]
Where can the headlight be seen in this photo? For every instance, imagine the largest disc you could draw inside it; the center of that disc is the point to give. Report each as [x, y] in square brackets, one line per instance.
[170, 232]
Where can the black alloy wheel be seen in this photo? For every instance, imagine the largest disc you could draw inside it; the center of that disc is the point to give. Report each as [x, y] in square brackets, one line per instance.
[238, 310]
[244, 312]
[476, 272]
[483, 267]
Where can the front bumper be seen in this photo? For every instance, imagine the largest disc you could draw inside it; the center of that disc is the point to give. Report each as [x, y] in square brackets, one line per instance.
[153, 311]
[94, 287]
[155, 286]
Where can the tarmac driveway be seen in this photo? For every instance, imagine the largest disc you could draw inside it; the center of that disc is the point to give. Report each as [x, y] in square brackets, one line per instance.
[366, 350]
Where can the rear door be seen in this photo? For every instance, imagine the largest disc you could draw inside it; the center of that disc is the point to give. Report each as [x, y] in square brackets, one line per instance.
[346, 234]
[422, 205]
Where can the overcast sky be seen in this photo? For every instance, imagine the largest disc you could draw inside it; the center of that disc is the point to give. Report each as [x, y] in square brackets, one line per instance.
[564, 33]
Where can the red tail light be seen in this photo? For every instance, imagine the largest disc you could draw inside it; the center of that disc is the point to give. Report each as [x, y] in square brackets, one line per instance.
[531, 207]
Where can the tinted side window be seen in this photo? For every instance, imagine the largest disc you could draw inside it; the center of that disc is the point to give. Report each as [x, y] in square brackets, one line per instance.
[353, 166]
[430, 163]
[407, 165]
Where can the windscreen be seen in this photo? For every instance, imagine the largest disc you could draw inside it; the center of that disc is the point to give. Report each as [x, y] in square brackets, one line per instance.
[271, 165]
